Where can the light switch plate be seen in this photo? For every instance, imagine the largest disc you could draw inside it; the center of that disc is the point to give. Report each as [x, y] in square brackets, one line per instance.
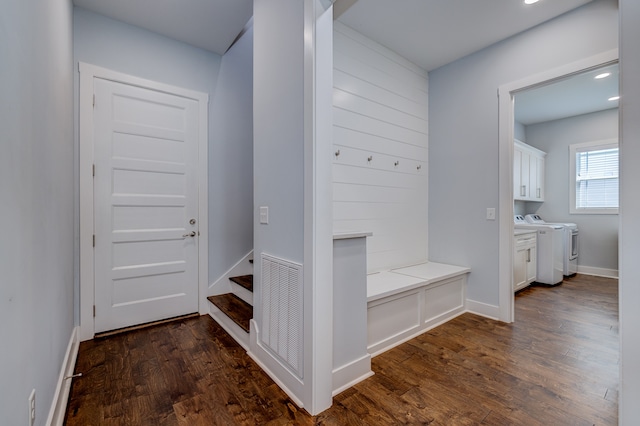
[264, 215]
[491, 214]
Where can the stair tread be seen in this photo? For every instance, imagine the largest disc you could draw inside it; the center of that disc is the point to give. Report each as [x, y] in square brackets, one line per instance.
[235, 308]
[245, 281]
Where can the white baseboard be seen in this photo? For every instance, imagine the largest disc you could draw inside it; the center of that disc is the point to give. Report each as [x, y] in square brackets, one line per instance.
[280, 374]
[222, 285]
[384, 346]
[234, 330]
[61, 395]
[348, 375]
[483, 309]
[598, 272]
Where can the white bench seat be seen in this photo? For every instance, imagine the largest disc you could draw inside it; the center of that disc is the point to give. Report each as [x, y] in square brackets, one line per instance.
[405, 302]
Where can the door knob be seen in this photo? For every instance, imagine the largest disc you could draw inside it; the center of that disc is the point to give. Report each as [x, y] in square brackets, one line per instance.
[190, 234]
[192, 222]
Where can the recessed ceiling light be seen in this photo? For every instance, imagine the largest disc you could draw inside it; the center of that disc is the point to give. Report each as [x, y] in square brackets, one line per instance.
[530, 1]
[614, 98]
[603, 75]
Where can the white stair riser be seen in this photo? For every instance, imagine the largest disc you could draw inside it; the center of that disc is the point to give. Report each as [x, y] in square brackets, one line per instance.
[242, 293]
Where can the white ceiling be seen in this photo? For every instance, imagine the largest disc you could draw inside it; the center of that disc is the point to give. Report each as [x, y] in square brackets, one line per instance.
[575, 95]
[209, 24]
[430, 33]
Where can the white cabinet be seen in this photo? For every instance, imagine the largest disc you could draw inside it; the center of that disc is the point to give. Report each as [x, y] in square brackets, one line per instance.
[528, 172]
[524, 260]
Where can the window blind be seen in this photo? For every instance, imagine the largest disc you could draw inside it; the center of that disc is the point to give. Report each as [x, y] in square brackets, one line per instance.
[597, 178]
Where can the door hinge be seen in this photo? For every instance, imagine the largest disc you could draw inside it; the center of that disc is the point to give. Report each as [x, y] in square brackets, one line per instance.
[93, 170]
[94, 240]
[94, 311]
[94, 100]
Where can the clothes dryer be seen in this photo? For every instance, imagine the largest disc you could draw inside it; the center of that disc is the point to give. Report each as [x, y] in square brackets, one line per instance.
[549, 250]
[570, 243]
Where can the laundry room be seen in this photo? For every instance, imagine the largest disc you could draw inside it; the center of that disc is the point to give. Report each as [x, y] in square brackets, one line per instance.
[566, 170]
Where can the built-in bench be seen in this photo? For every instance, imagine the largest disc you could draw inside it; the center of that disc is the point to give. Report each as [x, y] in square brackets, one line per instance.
[405, 302]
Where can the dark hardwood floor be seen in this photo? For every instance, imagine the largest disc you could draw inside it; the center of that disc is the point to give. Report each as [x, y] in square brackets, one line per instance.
[556, 365]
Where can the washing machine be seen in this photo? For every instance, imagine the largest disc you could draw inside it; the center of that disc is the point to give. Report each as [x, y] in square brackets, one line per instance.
[570, 243]
[549, 269]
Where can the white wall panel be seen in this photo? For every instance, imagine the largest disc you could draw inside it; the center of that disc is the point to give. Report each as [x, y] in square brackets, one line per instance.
[365, 89]
[378, 110]
[377, 145]
[381, 149]
[354, 120]
[373, 55]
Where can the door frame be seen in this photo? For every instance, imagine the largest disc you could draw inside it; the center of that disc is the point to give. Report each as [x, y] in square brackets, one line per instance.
[506, 120]
[86, 158]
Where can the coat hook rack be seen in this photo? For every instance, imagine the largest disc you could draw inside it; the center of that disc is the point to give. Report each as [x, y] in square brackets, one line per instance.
[370, 158]
[337, 153]
[396, 163]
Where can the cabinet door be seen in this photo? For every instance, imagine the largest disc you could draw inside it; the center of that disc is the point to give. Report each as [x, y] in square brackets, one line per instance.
[528, 173]
[539, 185]
[533, 177]
[520, 268]
[517, 174]
[521, 171]
[531, 264]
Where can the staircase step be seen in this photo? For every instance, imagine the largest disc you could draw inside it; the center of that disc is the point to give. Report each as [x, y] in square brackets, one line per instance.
[235, 308]
[245, 281]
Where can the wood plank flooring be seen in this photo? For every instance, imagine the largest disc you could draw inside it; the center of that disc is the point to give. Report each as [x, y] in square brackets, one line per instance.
[556, 365]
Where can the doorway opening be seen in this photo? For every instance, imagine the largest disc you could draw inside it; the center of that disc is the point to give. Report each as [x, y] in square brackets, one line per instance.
[507, 133]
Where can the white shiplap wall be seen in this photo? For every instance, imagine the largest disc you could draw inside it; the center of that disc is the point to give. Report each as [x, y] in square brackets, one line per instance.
[380, 107]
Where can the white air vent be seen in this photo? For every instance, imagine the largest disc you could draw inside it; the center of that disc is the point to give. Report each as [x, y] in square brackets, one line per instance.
[282, 310]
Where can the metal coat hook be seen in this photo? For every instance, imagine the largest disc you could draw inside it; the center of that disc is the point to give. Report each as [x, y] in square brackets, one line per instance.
[370, 158]
[337, 153]
[396, 163]
[419, 166]
[73, 376]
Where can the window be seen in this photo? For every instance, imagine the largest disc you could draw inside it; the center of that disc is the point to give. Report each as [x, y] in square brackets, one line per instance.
[594, 177]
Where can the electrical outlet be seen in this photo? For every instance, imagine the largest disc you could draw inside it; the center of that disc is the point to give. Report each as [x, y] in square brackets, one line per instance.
[491, 214]
[32, 408]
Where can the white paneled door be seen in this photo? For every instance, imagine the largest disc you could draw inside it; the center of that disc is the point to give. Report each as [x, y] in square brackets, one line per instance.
[145, 205]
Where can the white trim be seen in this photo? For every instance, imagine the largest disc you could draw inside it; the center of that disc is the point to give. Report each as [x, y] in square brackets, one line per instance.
[61, 396]
[317, 333]
[222, 284]
[378, 349]
[585, 147]
[351, 374]
[87, 74]
[233, 329]
[598, 272]
[505, 168]
[483, 309]
[280, 374]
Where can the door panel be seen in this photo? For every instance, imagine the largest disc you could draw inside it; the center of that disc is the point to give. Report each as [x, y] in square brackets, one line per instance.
[145, 194]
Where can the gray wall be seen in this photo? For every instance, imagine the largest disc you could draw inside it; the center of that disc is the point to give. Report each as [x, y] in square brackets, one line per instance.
[278, 122]
[121, 47]
[36, 188]
[598, 232]
[231, 160]
[518, 131]
[463, 163]
[629, 213]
